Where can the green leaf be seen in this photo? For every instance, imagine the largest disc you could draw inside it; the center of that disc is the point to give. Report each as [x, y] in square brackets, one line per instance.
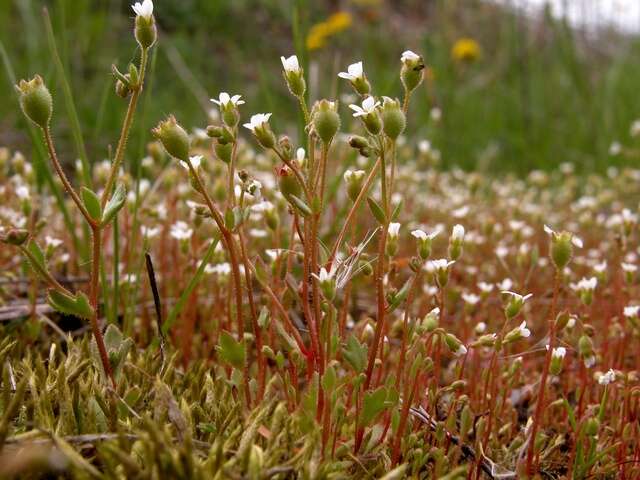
[302, 207]
[77, 305]
[115, 203]
[231, 351]
[373, 404]
[37, 256]
[377, 211]
[356, 354]
[396, 211]
[91, 203]
[329, 379]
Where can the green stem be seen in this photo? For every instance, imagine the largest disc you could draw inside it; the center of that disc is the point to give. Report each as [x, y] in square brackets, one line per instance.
[124, 134]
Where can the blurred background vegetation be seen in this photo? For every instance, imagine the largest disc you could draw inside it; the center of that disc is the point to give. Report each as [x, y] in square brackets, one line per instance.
[515, 93]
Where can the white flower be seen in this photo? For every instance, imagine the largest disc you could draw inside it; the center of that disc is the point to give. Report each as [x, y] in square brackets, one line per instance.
[607, 378]
[457, 233]
[222, 269]
[300, 155]
[149, 232]
[353, 175]
[615, 149]
[52, 242]
[22, 192]
[144, 9]
[369, 105]
[470, 298]
[258, 120]
[195, 160]
[461, 351]
[224, 99]
[589, 361]
[409, 56]
[629, 267]
[558, 352]
[353, 73]
[325, 276]
[517, 296]
[585, 284]
[421, 235]
[523, 330]
[481, 327]
[181, 231]
[440, 264]
[600, 267]
[393, 230]
[290, 64]
[631, 311]
[485, 287]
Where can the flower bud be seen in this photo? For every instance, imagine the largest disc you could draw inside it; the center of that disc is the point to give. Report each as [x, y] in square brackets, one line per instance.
[591, 427]
[456, 241]
[431, 320]
[561, 249]
[173, 137]
[36, 101]
[15, 237]
[412, 70]
[515, 303]
[294, 75]
[287, 181]
[326, 120]
[393, 118]
[259, 125]
[354, 180]
[327, 282]
[145, 27]
[455, 345]
[557, 357]
[517, 333]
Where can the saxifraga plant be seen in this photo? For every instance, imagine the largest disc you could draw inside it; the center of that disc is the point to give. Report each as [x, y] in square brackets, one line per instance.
[98, 210]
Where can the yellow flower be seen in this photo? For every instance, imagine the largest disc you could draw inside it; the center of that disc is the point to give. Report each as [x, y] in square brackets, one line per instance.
[320, 32]
[466, 50]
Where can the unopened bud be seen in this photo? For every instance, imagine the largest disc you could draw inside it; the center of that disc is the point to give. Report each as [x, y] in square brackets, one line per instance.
[36, 101]
[173, 137]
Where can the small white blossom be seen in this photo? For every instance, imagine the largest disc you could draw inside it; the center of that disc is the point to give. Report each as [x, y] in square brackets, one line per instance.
[144, 9]
[585, 284]
[457, 234]
[607, 378]
[257, 121]
[181, 231]
[523, 330]
[369, 105]
[409, 56]
[393, 230]
[558, 352]
[517, 296]
[631, 311]
[224, 99]
[354, 72]
[290, 64]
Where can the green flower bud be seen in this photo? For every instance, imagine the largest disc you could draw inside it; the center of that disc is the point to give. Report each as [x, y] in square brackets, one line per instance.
[259, 125]
[173, 137]
[36, 101]
[354, 180]
[431, 320]
[591, 427]
[288, 182]
[294, 75]
[561, 249]
[393, 118]
[412, 70]
[15, 237]
[326, 120]
[145, 30]
[455, 345]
